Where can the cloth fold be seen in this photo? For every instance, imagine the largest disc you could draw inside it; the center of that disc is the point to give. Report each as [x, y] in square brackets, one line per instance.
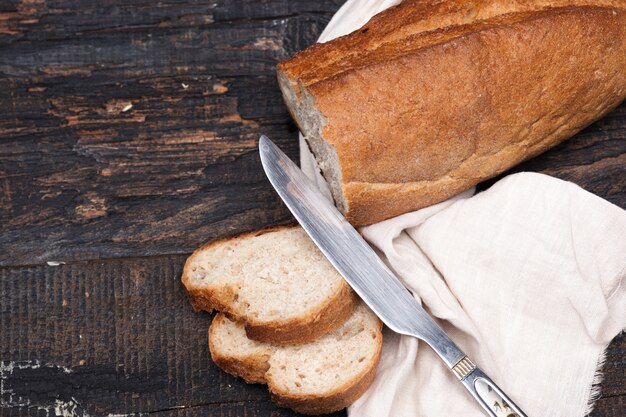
[526, 277]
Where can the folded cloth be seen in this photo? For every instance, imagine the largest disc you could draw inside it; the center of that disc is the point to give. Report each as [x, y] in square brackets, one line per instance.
[527, 277]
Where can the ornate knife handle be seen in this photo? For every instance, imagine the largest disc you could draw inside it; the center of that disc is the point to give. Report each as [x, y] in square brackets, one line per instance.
[485, 391]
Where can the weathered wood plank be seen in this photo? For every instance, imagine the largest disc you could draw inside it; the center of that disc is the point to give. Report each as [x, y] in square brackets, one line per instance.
[119, 336]
[131, 129]
[84, 175]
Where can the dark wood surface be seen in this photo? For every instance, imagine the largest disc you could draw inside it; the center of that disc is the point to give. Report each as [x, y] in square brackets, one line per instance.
[128, 138]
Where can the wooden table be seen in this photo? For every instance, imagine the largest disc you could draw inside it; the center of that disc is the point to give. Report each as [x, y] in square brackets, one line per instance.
[128, 137]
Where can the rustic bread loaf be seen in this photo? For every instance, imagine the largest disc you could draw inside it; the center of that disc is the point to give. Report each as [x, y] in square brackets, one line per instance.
[275, 280]
[431, 97]
[315, 378]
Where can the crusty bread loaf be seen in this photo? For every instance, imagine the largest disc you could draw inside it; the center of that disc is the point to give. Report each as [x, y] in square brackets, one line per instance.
[275, 280]
[315, 378]
[431, 97]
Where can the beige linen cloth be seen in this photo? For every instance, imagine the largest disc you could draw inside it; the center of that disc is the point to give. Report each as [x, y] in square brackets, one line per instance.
[527, 277]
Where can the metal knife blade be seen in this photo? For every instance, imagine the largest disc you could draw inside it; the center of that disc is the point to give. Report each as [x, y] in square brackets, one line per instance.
[370, 278]
[344, 247]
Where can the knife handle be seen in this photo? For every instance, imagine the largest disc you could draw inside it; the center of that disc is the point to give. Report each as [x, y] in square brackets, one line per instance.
[492, 399]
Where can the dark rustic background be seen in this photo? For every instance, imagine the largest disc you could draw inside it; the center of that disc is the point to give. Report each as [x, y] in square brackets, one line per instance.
[128, 137]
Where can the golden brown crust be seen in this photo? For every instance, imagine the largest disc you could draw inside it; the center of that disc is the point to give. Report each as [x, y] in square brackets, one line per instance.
[252, 368]
[468, 91]
[412, 25]
[325, 318]
[338, 399]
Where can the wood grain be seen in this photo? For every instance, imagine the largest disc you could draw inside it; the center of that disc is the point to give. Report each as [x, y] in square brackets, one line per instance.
[128, 138]
[117, 119]
[116, 336]
[119, 336]
[112, 337]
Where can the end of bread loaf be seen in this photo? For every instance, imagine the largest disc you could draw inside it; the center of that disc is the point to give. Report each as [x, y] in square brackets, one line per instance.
[311, 122]
[275, 280]
[427, 100]
[316, 378]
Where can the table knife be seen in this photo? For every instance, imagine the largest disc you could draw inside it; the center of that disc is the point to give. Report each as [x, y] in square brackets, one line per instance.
[371, 279]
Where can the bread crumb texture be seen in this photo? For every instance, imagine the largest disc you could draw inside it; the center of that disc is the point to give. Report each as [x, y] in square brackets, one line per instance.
[271, 276]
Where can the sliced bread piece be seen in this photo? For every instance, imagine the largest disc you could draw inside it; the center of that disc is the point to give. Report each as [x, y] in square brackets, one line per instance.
[315, 378]
[275, 280]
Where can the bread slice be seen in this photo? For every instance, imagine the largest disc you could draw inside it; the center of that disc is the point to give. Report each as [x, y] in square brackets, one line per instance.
[275, 280]
[431, 97]
[315, 378]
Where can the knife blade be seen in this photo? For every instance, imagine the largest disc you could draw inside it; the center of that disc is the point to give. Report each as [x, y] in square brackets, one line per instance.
[371, 279]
